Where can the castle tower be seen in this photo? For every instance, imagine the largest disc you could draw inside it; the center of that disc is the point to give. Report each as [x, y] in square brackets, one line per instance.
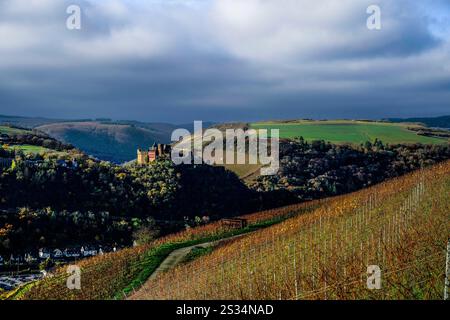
[152, 153]
[142, 157]
[160, 149]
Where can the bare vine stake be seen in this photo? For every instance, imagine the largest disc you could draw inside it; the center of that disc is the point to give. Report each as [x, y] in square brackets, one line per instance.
[331, 242]
[320, 223]
[240, 270]
[364, 216]
[362, 259]
[223, 276]
[379, 246]
[250, 278]
[384, 244]
[295, 275]
[312, 254]
[389, 232]
[303, 263]
[394, 229]
[447, 271]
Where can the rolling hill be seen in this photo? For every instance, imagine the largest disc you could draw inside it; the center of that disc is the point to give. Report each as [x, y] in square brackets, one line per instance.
[114, 142]
[338, 132]
[117, 141]
[105, 139]
[31, 142]
[437, 122]
[26, 122]
[348, 131]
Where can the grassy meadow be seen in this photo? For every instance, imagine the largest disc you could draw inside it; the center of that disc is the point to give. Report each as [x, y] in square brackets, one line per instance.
[26, 148]
[347, 131]
[9, 130]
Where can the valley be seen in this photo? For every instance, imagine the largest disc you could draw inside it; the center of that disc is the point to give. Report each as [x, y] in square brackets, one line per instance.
[165, 223]
[229, 159]
[316, 250]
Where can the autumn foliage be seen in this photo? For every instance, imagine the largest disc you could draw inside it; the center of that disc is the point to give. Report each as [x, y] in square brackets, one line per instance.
[401, 226]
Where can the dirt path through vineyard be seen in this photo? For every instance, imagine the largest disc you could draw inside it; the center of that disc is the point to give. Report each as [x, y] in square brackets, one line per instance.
[173, 259]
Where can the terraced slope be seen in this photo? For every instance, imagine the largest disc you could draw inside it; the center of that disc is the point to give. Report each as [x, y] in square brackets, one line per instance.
[401, 227]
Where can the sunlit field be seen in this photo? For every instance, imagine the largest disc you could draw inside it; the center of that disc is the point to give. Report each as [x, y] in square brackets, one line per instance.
[355, 132]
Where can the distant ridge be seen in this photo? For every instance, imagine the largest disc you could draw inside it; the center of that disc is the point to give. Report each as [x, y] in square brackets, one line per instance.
[103, 138]
[436, 122]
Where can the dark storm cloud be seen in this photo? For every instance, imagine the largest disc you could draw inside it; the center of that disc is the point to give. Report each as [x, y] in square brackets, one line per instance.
[178, 61]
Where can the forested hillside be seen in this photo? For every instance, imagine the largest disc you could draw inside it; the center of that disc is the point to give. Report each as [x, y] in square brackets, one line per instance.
[46, 203]
[64, 198]
[319, 169]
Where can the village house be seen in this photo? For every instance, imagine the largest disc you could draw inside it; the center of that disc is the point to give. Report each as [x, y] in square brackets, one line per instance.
[69, 253]
[88, 251]
[18, 260]
[44, 253]
[72, 253]
[57, 254]
[29, 258]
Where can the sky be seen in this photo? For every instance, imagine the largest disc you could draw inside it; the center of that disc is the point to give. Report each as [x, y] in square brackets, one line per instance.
[224, 60]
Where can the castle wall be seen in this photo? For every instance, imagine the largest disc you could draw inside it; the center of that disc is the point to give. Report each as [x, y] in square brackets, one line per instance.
[142, 157]
[152, 155]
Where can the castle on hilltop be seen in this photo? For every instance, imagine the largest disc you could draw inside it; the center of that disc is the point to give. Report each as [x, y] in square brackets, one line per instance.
[155, 152]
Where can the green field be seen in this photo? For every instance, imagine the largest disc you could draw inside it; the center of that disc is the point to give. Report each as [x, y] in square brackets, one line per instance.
[345, 131]
[26, 148]
[9, 130]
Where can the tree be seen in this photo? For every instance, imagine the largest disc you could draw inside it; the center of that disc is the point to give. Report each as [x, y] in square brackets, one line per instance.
[147, 233]
[46, 264]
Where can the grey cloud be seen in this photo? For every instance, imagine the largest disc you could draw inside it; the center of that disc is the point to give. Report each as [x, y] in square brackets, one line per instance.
[223, 60]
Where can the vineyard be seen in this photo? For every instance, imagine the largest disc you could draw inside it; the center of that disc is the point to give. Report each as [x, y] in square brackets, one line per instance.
[400, 227]
[115, 275]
